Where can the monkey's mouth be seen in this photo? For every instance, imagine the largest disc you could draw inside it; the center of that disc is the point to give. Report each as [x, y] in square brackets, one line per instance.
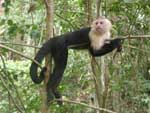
[99, 29]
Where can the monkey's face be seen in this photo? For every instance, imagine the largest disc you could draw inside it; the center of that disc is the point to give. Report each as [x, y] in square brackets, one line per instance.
[101, 25]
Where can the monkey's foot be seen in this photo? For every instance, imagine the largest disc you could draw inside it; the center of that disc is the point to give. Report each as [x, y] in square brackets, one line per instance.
[50, 96]
[58, 96]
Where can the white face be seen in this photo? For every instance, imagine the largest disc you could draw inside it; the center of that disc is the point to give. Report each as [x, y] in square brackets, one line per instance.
[101, 25]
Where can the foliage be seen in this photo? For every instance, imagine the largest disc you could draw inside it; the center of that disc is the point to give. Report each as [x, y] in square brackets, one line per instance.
[129, 87]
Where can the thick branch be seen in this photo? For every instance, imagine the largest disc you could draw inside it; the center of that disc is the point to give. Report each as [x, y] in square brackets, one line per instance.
[119, 37]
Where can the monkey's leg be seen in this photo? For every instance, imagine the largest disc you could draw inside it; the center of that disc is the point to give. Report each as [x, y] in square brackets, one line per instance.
[60, 62]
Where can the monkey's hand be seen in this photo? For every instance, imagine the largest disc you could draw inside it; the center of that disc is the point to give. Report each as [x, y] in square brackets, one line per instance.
[118, 44]
[114, 44]
[43, 71]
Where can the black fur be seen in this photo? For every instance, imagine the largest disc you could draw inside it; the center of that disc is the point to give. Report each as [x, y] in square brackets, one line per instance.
[108, 47]
[58, 48]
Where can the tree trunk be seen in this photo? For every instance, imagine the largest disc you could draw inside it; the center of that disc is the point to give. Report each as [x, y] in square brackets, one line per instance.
[49, 33]
[100, 75]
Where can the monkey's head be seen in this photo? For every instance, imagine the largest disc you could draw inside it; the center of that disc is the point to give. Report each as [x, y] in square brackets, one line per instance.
[101, 25]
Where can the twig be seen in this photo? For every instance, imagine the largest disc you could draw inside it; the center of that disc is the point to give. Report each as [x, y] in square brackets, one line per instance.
[14, 51]
[13, 100]
[46, 4]
[133, 47]
[74, 27]
[130, 37]
[19, 44]
[135, 37]
[5, 86]
[10, 79]
[86, 105]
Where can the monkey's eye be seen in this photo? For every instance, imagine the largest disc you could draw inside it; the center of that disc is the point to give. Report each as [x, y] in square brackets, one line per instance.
[101, 22]
[96, 23]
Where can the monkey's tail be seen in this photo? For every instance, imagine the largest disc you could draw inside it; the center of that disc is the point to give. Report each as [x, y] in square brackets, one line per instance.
[46, 49]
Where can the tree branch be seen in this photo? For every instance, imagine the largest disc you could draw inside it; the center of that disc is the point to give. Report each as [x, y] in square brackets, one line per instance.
[5, 86]
[11, 81]
[36, 47]
[69, 22]
[16, 52]
[119, 37]
[83, 104]
[133, 47]
[13, 100]
[131, 37]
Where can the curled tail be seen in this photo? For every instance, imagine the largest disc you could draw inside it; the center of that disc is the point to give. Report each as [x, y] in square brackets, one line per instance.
[46, 49]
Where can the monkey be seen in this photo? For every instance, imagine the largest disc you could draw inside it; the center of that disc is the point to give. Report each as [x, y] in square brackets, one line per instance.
[91, 38]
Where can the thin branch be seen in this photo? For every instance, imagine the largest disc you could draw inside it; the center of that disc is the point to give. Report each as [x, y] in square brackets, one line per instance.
[46, 4]
[5, 86]
[132, 37]
[10, 79]
[16, 52]
[74, 27]
[36, 47]
[76, 12]
[120, 37]
[133, 47]
[83, 104]
[13, 100]
[98, 7]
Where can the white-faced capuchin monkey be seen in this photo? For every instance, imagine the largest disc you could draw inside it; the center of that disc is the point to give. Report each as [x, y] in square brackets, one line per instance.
[90, 38]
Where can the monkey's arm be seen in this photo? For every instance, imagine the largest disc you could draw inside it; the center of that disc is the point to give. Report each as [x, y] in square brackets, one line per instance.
[108, 47]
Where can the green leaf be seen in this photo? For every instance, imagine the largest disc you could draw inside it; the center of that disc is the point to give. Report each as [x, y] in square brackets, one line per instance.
[13, 29]
[10, 22]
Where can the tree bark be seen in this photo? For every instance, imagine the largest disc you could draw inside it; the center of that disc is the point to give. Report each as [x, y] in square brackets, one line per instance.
[49, 33]
[99, 72]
